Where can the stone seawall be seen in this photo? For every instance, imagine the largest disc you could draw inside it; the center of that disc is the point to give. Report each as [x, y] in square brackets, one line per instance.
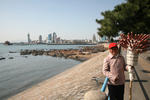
[69, 85]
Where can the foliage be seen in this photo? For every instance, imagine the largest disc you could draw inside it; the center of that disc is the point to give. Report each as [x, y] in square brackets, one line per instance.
[132, 16]
[7, 43]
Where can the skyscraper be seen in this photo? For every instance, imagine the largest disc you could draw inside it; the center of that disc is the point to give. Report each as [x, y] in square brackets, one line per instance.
[49, 38]
[94, 38]
[29, 40]
[54, 37]
[40, 39]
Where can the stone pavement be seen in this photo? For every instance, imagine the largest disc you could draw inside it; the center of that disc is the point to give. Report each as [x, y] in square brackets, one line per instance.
[141, 84]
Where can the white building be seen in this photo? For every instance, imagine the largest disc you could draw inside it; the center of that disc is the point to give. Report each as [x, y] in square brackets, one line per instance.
[94, 39]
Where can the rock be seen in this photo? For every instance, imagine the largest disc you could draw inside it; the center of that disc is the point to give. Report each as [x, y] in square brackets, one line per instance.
[34, 54]
[52, 53]
[59, 54]
[95, 50]
[22, 53]
[95, 95]
[86, 53]
[40, 52]
[67, 55]
[2, 58]
[25, 52]
[45, 53]
[11, 58]
[26, 56]
[81, 59]
[12, 52]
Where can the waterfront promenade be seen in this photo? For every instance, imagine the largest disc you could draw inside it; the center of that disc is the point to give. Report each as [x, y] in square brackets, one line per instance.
[141, 84]
[69, 85]
[75, 82]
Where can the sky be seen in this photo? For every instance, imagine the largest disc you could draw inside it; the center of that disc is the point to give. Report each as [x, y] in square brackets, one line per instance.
[69, 19]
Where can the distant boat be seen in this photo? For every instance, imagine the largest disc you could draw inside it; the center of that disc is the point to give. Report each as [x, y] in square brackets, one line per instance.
[7, 43]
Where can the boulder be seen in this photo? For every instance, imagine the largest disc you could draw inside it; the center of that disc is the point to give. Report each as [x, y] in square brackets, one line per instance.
[12, 52]
[40, 52]
[11, 58]
[2, 58]
[45, 53]
[95, 95]
[25, 56]
[53, 54]
[25, 52]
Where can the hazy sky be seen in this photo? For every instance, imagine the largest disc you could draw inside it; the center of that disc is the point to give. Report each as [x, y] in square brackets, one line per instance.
[70, 19]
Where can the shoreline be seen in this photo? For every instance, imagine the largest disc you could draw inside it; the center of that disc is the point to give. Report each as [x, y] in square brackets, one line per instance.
[71, 84]
[84, 55]
[81, 54]
[51, 44]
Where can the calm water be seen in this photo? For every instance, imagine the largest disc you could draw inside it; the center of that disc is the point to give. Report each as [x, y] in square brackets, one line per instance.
[22, 72]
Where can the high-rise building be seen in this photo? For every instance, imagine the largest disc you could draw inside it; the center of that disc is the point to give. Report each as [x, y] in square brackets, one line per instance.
[58, 40]
[94, 38]
[54, 37]
[29, 40]
[49, 38]
[40, 39]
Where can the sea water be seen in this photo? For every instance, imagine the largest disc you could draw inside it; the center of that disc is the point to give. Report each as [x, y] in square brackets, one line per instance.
[24, 71]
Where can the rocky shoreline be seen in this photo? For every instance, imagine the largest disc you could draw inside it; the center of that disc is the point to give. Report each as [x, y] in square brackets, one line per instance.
[71, 84]
[82, 54]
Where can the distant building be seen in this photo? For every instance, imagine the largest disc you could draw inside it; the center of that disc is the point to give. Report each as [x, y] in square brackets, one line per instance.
[40, 39]
[79, 42]
[54, 37]
[58, 40]
[45, 40]
[90, 41]
[94, 38]
[104, 39]
[66, 41]
[29, 39]
[49, 38]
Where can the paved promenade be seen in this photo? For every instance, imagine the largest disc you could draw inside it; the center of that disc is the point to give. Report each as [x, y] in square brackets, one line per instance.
[71, 84]
[75, 82]
[141, 84]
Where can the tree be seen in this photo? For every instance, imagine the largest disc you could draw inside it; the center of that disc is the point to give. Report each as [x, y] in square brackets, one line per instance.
[7, 43]
[132, 16]
[107, 24]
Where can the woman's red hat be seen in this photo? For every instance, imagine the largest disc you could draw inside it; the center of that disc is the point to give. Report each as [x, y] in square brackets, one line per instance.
[112, 45]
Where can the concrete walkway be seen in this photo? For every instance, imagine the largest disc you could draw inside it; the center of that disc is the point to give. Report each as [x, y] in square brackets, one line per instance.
[75, 82]
[71, 84]
[141, 84]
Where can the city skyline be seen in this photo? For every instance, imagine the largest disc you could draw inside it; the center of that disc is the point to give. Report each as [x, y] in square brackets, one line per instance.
[53, 38]
[70, 19]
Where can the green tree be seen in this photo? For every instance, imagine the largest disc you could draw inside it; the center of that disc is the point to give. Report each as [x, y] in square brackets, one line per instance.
[132, 16]
[107, 24]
